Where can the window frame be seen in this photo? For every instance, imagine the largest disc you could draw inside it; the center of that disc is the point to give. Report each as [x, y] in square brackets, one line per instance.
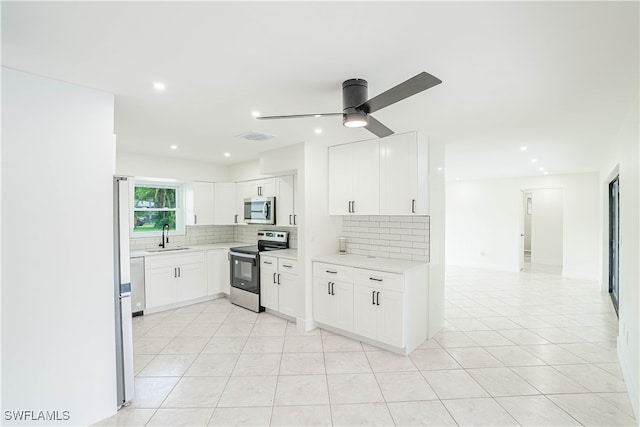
[179, 209]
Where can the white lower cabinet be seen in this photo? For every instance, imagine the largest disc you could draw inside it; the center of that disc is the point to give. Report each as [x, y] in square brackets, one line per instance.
[381, 307]
[333, 302]
[171, 279]
[378, 314]
[218, 272]
[280, 285]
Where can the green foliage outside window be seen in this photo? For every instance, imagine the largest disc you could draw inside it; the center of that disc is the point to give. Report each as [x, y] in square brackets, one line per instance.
[154, 207]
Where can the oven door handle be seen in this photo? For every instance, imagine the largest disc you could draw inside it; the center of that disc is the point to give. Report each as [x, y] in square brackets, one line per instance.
[246, 256]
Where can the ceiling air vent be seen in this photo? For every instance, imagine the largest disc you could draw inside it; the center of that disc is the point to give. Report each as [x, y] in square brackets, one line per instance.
[255, 136]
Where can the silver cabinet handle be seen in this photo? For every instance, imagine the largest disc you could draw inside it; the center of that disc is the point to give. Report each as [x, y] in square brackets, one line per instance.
[331, 272]
[349, 206]
[287, 266]
[373, 297]
[329, 288]
[377, 298]
[175, 272]
[353, 206]
[274, 277]
[268, 262]
[332, 288]
[179, 272]
[295, 217]
[375, 279]
[413, 205]
[290, 216]
[278, 278]
[235, 218]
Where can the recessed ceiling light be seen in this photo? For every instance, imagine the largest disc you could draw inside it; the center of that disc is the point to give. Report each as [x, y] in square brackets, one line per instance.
[534, 160]
[318, 131]
[227, 154]
[523, 148]
[173, 147]
[159, 86]
[255, 113]
[546, 173]
[439, 169]
[541, 168]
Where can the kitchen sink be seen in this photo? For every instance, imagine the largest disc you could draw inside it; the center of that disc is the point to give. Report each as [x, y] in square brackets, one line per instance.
[167, 249]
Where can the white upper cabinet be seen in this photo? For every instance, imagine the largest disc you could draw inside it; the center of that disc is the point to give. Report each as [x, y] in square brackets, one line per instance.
[354, 178]
[404, 171]
[261, 187]
[224, 212]
[285, 200]
[199, 198]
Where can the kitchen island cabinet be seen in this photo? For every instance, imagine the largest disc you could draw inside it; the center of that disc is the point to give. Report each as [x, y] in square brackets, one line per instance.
[384, 302]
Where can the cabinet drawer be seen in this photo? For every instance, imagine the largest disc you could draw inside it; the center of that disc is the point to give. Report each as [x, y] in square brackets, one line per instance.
[268, 262]
[379, 279]
[173, 260]
[287, 266]
[332, 271]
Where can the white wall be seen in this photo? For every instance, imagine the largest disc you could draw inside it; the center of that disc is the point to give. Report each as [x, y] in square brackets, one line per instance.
[321, 231]
[624, 157]
[546, 226]
[246, 171]
[58, 338]
[134, 164]
[483, 222]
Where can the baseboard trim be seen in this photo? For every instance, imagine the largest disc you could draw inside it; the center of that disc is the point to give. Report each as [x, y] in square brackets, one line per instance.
[629, 380]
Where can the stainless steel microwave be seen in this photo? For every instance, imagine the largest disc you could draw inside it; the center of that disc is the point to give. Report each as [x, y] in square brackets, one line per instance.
[260, 210]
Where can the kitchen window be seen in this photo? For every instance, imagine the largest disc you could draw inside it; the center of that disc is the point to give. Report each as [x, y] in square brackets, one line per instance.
[156, 204]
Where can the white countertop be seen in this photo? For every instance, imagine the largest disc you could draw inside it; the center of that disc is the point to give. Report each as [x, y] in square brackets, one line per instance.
[373, 263]
[282, 253]
[192, 248]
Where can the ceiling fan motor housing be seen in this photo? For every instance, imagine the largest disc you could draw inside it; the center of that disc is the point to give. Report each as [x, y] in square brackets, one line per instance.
[354, 93]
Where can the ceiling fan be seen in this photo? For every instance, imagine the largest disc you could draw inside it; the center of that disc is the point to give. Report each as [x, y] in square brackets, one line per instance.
[356, 109]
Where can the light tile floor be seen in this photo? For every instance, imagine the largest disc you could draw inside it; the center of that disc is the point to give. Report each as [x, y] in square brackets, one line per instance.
[528, 349]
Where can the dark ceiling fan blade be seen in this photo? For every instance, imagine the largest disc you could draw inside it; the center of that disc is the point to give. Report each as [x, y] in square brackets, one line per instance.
[298, 116]
[377, 128]
[416, 84]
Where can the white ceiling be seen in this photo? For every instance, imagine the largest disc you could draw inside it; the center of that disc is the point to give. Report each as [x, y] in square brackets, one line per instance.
[556, 77]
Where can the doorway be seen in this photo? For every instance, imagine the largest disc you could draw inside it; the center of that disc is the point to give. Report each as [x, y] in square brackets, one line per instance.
[541, 230]
[614, 241]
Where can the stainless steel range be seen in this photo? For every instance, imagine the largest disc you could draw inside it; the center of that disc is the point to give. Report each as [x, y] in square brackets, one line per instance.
[245, 268]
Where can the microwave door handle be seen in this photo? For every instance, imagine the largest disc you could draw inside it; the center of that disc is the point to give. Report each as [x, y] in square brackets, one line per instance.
[265, 210]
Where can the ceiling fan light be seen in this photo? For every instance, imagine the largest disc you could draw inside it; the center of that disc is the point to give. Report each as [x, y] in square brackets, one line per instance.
[355, 120]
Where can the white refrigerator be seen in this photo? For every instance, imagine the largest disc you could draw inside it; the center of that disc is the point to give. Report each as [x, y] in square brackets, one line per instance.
[122, 292]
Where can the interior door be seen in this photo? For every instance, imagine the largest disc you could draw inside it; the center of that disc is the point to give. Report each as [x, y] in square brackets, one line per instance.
[614, 241]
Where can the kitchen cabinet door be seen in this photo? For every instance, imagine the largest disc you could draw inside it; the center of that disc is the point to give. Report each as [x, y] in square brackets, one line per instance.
[268, 282]
[323, 303]
[199, 200]
[366, 178]
[160, 286]
[191, 282]
[354, 178]
[217, 272]
[390, 320]
[225, 203]
[288, 294]
[340, 180]
[343, 294]
[403, 175]
[285, 201]
[268, 188]
[365, 311]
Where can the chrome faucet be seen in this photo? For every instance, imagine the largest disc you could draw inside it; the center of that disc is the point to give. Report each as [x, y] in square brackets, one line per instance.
[164, 239]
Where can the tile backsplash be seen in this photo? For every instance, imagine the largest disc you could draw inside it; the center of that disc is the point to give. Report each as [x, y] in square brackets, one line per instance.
[208, 234]
[196, 235]
[249, 233]
[398, 237]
